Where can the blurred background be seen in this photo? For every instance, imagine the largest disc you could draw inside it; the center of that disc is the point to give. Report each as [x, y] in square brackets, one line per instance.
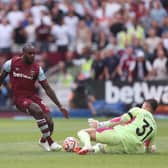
[100, 56]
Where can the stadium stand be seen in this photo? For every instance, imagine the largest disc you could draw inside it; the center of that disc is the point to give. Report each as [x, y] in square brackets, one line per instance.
[118, 40]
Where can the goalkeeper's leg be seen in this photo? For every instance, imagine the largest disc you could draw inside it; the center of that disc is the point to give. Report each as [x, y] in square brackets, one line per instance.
[86, 136]
[98, 148]
[104, 148]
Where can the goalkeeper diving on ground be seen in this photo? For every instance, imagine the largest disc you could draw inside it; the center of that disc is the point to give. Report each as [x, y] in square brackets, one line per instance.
[133, 132]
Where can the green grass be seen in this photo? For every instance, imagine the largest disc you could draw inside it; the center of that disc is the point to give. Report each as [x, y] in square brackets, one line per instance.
[19, 149]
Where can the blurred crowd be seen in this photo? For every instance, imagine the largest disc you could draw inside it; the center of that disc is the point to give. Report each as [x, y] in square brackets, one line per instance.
[122, 40]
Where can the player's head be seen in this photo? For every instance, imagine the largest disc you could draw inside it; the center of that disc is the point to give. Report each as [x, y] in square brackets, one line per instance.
[28, 53]
[150, 105]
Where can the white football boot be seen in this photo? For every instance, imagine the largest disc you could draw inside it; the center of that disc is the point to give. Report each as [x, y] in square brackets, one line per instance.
[44, 145]
[55, 147]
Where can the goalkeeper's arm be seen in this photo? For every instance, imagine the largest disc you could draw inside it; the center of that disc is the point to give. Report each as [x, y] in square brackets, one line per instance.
[110, 123]
[150, 146]
[123, 119]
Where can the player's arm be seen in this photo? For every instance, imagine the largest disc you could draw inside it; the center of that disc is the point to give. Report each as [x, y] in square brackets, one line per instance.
[125, 118]
[109, 123]
[50, 92]
[3, 75]
[5, 71]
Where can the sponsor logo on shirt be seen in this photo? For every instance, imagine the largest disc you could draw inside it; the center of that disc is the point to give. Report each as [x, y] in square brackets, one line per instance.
[20, 75]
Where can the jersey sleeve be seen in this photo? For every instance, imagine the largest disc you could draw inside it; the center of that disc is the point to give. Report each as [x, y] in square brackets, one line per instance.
[7, 66]
[41, 76]
[132, 113]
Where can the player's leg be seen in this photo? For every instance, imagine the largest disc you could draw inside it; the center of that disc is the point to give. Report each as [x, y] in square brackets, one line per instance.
[105, 148]
[46, 113]
[86, 136]
[50, 122]
[45, 110]
[28, 106]
[106, 136]
[92, 134]
[109, 141]
[36, 111]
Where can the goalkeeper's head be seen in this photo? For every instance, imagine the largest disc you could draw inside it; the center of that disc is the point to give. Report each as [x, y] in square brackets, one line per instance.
[150, 105]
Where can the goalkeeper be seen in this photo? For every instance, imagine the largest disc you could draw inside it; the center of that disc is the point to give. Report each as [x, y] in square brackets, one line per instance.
[133, 132]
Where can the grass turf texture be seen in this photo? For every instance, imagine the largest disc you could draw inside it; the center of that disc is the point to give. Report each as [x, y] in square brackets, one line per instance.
[19, 148]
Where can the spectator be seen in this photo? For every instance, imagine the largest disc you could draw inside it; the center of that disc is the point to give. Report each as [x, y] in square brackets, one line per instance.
[141, 10]
[141, 69]
[84, 37]
[136, 44]
[148, 55]
[59, 32]
[155, 25]
[145, 21]
[95, 29]
[112, 7]
[158, 12]
[87, 64]
[101, 17]
[30, 30]
[165, 4]
[117, 24]
[98, 66]
[15, 16]
[111, 65]
[36, 10]
[80, 7]
[102, 40]
[4, 8]
[152, 40]
[19, 37]
[122, 39]
[46, 18]
[165, 40]
[135, 30]
[126, 65]
[164, 26]
[71, 21]
[113, 44]
[81, 90]
[6, 32]
[159, 65]
[43, 36]
[56, 14]
[63, 77]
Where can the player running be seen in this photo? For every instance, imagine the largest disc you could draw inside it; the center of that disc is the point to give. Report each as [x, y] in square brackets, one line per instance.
[133, 132]
[24, 72]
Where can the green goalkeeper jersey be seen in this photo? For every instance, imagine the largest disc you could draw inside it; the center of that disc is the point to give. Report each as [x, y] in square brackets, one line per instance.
[142, 128]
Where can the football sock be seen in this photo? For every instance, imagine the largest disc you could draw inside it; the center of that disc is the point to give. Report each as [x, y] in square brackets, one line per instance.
[43, 140]
[43, 125]
[50, 141]
[85, 138]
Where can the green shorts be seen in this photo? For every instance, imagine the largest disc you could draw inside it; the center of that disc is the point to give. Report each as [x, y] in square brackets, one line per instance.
[111, 139]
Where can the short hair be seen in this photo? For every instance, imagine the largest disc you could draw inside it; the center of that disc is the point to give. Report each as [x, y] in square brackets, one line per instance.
[27, 46]
[153, 103]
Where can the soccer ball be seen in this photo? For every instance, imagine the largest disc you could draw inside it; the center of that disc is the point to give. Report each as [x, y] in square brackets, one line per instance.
[70, 143]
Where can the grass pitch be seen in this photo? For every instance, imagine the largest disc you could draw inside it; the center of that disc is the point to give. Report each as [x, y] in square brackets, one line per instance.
[19, 148]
